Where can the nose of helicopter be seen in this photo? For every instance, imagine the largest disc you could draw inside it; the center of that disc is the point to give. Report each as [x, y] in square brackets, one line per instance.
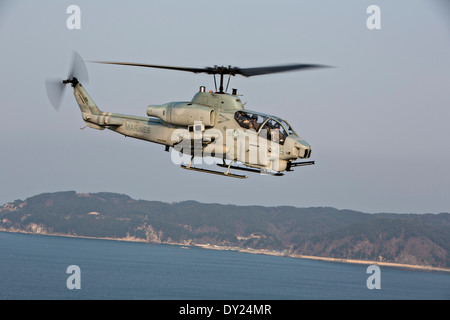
[300, 147]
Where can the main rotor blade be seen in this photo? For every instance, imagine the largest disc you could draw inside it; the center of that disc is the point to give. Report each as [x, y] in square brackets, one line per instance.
[250, 72]
[195, 70]
[221, 70]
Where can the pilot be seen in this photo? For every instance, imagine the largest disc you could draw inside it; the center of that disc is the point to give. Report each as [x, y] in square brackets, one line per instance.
[254, 122]
[238, 117]
[275, 133]
[246, 121]
[242, 119]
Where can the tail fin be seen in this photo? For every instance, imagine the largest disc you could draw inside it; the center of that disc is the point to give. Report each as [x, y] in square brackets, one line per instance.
[89, 109]
[87, 105]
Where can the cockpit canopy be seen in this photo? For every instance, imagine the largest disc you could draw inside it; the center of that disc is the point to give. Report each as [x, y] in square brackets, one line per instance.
[267, 126]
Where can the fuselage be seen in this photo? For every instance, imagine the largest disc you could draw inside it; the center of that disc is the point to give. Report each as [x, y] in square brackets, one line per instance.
[211, 124]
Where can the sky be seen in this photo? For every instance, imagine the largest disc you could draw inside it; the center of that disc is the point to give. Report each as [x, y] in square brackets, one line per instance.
[378, 122]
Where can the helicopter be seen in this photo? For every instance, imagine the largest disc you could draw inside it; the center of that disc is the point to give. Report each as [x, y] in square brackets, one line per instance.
[213, 124]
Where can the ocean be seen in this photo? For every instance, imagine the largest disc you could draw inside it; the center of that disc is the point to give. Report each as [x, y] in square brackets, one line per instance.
[42, 267]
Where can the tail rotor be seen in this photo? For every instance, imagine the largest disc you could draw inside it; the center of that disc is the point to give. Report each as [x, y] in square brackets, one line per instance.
[56, 87]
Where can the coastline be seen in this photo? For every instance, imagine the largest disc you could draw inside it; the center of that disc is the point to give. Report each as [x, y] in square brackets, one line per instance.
[246, 250]
[327, 259]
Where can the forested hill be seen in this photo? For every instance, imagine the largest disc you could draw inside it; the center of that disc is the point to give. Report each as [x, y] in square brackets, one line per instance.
[420, 239]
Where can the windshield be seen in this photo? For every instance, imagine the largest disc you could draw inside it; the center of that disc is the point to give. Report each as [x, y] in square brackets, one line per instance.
[272, 130]
[250, 120]
[269, 127]
[287, 126]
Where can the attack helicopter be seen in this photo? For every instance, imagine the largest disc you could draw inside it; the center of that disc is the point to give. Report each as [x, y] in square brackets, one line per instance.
[213, 124]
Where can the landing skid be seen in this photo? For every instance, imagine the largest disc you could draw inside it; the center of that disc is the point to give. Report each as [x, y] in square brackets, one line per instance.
[260, 171]
[226, 173]
[238, 176]
[231, 175]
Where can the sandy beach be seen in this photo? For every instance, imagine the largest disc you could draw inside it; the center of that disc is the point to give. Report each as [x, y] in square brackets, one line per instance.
[298, 256]
[255, 251]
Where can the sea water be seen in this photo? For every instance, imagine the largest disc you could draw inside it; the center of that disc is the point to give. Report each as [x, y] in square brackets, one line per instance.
[37, 267]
